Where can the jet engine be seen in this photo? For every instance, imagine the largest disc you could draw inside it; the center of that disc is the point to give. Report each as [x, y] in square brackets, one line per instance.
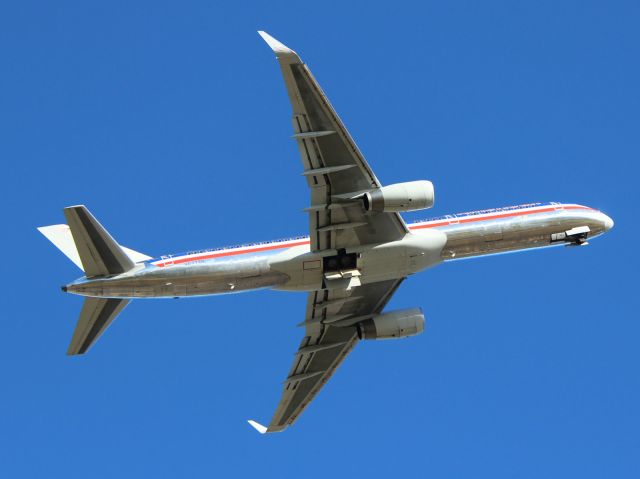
[392, 325]
[411, 196]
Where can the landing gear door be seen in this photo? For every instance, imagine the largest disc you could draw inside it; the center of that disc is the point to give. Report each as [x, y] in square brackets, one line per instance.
[341, 270]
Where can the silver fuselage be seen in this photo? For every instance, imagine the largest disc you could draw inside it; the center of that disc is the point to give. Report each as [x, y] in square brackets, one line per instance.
[289, 264]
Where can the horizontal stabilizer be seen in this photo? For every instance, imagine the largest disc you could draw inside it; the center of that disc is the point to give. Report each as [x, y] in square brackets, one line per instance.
[98, 251]
[96, 315]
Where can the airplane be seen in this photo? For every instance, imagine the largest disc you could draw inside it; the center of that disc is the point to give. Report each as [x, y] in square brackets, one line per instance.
[358, 251]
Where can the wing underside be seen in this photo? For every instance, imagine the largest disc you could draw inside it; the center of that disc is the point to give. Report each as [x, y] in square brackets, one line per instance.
[336, 171]
[330, 334]
[338, 176]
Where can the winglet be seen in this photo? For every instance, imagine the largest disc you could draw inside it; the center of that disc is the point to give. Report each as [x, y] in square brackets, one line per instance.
[257, 426]
[283, 52]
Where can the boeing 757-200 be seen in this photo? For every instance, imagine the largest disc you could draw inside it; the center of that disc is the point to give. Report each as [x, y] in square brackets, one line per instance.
[358, 251]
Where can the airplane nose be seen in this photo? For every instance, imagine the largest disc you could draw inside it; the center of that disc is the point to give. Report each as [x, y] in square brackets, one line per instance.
[608, 223]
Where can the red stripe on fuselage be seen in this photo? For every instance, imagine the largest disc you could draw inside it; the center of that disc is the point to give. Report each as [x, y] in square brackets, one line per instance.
[495, 217]
[415, 226]
[230, 253]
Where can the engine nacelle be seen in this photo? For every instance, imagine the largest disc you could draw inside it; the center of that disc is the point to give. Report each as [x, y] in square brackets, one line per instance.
[411, 196]
[395, 324]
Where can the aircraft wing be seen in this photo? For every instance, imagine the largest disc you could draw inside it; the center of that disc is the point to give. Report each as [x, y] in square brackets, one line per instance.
[334, 167]
[330, 334]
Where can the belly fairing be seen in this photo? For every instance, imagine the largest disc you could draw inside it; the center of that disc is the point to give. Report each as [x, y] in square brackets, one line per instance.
[374, 262]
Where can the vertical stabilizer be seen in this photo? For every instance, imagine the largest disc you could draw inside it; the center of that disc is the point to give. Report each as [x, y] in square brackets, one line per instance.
[98, 251]
[60, 236]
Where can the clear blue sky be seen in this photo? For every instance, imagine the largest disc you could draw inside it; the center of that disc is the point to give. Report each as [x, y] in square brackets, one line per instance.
[171, 122]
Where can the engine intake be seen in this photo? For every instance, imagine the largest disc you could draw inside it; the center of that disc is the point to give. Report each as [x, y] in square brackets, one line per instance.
[411, 196]
[395, 324]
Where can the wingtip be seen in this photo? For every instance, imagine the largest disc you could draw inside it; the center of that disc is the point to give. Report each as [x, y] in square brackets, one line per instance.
[280, 49]
[257, 426]
[274, 44]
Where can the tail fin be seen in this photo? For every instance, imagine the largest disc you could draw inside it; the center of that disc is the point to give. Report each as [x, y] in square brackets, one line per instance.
[85, 242]
[98, 251]
[96, 315]
[61, 237]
